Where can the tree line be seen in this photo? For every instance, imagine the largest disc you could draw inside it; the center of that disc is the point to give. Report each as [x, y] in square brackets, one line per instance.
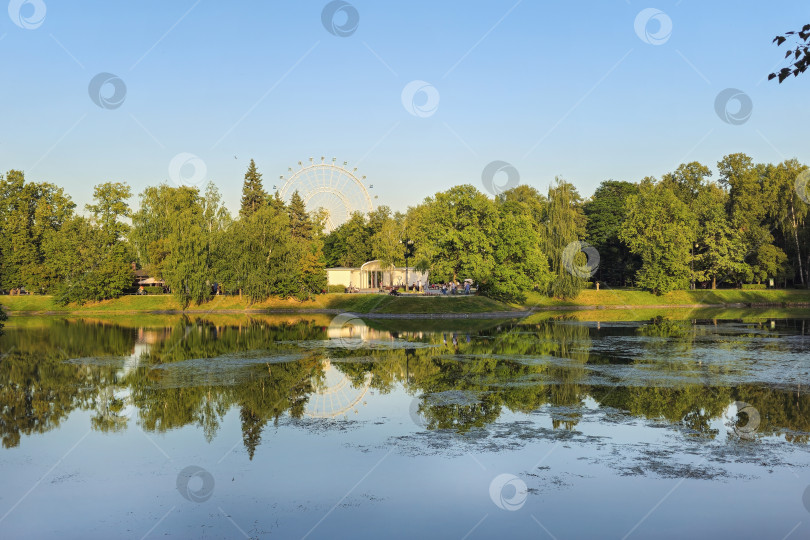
[182, 235]
[684, 230]
[678, 232]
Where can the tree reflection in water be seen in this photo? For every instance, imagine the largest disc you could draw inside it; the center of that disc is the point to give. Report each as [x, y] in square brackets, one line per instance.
[194, 372]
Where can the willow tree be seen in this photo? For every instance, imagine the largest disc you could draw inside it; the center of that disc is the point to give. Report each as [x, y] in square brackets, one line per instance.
[786, 206]
[187, 265]
[151, 226]
[565, 224]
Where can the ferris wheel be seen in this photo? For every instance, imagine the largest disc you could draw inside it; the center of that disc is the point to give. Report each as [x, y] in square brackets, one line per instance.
[335, 188]
[335, 395]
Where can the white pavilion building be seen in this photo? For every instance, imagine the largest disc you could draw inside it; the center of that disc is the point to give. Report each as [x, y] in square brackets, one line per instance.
[373, 275]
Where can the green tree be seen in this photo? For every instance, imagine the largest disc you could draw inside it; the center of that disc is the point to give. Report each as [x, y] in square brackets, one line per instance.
[456, 234]
[350, 243]
[88, 264]
[688, 182]
[565, 224]
[605, 212]
[111, 207]
[29, 213]
[386, 243]
[277, 202]
[416, 226]
[769, 263]
[253, 194]
[787, 208]
[305, 270]
[520, 263]
[151, 226]
[747, 201]
[660, 229]
[312, 272]
[174, 234]
[720, 248]
[92, 257]
[300, 222]
[187, 265]
[531, 202]
[745, 204]
[215, 214]
[250, 253]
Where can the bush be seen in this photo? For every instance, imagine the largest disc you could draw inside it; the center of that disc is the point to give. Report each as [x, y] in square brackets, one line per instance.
[335, 288]
[502, 291]
[754, 286]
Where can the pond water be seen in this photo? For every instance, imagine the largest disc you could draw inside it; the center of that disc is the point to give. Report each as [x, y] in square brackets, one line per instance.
[284, 427]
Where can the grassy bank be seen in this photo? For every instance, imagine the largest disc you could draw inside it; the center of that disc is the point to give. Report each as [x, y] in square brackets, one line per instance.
[358, 303]
[720, 297]
[369, 303]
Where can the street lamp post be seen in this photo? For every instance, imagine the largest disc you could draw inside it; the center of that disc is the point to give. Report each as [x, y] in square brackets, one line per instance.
[408, 243]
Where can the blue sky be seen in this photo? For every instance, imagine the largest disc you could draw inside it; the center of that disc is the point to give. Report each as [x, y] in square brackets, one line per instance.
[553, 88]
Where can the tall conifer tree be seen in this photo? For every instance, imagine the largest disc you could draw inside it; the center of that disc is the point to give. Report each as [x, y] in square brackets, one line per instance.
[253, 194]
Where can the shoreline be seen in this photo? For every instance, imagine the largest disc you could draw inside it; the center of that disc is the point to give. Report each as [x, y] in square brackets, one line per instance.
[494, 314]
[377, 306]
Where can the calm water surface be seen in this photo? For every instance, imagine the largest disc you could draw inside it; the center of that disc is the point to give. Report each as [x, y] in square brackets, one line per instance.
[319, 428]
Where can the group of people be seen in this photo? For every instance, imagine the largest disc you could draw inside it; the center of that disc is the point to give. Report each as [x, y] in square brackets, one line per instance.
[454, 288]
[414, 287]
[450, 287]
[163, 290]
